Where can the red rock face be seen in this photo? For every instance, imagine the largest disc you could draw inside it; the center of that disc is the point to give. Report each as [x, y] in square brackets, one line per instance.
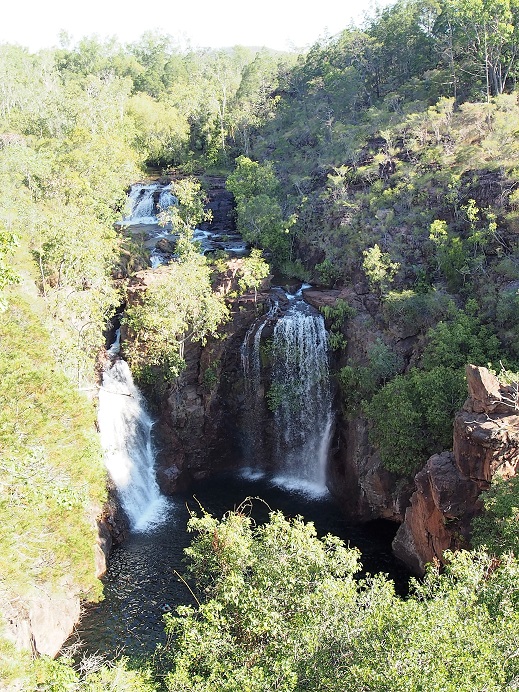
[486, 443]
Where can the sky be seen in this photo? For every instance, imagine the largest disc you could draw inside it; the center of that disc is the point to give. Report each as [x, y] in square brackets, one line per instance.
[277, 24]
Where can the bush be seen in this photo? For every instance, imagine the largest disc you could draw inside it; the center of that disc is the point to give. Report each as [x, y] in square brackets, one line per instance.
[416, 311]
[279, 609]
[460, 340]
[412, 416]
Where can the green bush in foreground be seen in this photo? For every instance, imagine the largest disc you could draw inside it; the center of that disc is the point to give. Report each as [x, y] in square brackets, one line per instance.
[280, 609]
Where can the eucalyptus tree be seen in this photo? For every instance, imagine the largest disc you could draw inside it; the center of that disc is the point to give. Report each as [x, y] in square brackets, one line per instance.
[483, 38]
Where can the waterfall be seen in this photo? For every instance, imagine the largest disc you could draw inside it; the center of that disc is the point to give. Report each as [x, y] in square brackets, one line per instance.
[166, 199]
[301, 397]
[143, 206]
[250, 352]
[125, 429]
[254, 395]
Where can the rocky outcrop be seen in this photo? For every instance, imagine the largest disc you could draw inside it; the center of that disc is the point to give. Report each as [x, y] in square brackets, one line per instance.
[199, 428]
[221, 204]
[485, 444]
[43, 622]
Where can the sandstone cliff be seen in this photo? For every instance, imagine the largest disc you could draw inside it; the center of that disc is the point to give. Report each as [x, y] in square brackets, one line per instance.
[361, 485]
[485, 444]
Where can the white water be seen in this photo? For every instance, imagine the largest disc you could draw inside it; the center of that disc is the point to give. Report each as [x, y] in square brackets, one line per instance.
[125, 429]
[254, 405]
[303, 416]
[301, 389]
[142, 209]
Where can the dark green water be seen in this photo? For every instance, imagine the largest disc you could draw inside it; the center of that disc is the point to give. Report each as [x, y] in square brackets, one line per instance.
[141, 581]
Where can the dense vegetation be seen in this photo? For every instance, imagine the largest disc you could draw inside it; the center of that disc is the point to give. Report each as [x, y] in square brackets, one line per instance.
[280, 609]
[385, 158]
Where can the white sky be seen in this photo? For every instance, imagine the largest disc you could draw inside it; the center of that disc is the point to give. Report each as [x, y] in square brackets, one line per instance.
[279, 24]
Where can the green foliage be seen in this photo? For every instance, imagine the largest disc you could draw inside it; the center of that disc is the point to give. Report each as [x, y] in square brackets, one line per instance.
[8, 276]
[253, 271]
[187, 214]
[97, 675]
[379, 268]
[178, 306]
[53, 477]
[497, 528]
[260, 218]
[328, 274]
[210, 376]
[276, 394]
[412, 416]
[358, 383]
[462, 339]
[262, 587]
[337, 314]
[279, 609]
[415, 311]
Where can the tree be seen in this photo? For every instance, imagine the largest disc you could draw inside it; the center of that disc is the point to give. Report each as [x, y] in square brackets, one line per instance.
[278, 609]
[186, 214]
[8, 242]
[260, 217]
[252, 271]
[179, 306]
[487, 31]
[379, 268]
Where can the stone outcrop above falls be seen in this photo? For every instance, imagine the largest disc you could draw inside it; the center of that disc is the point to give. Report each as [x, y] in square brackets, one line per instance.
[446, 498]
[41, 623]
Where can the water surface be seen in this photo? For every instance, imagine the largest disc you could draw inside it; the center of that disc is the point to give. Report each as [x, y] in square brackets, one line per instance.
[142, 583]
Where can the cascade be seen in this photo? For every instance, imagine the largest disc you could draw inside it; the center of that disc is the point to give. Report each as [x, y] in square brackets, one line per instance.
[254, 394]
[301, 398]
[166, 199]
[142, 204]
[125, 429]
[299, 394]
[250, 351]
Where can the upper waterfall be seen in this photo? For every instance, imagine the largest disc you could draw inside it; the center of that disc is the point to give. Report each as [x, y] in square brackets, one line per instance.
[125, 429]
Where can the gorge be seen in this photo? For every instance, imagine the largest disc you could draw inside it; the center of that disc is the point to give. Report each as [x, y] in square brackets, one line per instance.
[313, 344]
[267, 419]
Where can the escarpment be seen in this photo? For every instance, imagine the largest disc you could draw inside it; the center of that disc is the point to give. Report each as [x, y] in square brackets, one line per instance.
[485, 444]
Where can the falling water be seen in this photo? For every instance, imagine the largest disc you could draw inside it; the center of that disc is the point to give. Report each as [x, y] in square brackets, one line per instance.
[254, 394]
[166, 199]
[145, 202]
[126, 440]
[142, 204]
[250, 352]
[301, 398]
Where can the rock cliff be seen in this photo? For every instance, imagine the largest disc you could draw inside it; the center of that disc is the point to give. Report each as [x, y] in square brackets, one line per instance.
[485, 444]
[199, 429]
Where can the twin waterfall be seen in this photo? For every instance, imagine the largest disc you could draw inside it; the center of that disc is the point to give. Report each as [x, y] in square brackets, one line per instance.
[297, 392]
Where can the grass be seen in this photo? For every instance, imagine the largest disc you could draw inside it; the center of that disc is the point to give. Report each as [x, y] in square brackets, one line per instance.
[52, 478]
